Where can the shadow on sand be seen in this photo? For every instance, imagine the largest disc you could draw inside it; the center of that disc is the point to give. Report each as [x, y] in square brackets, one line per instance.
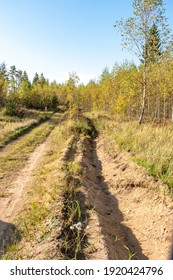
[120, 240]
[8, 233]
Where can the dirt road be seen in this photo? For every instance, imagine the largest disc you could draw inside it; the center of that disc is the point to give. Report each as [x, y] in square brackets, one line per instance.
[128, 215]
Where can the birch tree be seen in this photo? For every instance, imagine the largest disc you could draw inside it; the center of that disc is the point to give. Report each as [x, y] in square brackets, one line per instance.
[136, 33]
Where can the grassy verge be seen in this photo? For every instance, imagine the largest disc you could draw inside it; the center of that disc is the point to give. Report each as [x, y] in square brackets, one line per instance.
[149, 144]
[13, 134]
[72, 236]
[13, 127]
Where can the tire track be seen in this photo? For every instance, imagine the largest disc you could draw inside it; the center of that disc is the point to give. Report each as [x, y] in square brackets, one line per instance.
[12, 203]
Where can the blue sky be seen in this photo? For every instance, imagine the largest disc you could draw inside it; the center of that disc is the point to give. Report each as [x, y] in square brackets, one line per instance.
[61, 36]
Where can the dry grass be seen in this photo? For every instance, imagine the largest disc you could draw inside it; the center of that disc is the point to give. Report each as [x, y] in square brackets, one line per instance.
[14, 158]
[13, 127]
[151, 145]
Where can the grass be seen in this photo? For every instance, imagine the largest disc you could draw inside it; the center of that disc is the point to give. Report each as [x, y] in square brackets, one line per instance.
[13, 127]
[149, 144]
[131, 255]
[15, 157]
[72, 233]
[74, 216]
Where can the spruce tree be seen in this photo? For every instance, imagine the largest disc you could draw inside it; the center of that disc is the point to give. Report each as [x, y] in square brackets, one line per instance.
[153, 46]
[35, 79]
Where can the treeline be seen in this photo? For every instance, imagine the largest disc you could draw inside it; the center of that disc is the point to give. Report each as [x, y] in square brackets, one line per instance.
[18, 92]
[120, 91]
[117, 92]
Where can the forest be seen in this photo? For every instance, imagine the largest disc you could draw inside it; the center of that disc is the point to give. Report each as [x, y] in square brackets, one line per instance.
[117, 92]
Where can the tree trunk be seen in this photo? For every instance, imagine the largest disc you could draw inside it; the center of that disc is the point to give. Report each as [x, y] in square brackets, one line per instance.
[164, 108]
[143, 95]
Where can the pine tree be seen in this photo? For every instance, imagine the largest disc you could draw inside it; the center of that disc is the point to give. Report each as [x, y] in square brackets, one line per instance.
[3, 71]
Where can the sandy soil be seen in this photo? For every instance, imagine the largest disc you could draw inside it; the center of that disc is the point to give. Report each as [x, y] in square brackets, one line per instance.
[130, 215]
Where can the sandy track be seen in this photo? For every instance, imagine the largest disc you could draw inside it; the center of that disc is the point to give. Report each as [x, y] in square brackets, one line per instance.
[12, 203]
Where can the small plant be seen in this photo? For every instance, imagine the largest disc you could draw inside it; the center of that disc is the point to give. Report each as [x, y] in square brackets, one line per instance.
[131, 255]
[73, 235]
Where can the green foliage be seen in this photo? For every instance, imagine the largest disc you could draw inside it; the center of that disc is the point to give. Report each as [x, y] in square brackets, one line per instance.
[12, 107]
[84, 126]
[3, 84]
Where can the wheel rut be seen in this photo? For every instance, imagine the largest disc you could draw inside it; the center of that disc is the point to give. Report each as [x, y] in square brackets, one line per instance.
[106, 235]
[15, 196]
[124, 212]
[144, 209]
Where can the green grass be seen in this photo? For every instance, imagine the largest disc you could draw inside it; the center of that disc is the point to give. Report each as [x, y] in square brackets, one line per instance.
[13, 133]
[73, 235]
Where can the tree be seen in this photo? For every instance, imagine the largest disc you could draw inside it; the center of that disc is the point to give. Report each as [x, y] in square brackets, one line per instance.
[42, 80]
[24, 92]
[136, 32]
[25, 78]
[153, 46]
[3, 71]
[13, 75]
[3, 84]
[35, 79]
